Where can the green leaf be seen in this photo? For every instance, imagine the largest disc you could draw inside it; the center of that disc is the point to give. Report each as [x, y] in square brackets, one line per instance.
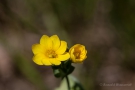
[67, 63]
[57, 73]
[70, 69]
[65, 68]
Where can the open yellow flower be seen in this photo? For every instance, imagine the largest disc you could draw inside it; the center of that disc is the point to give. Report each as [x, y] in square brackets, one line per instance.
[78, 53]
[50, 51]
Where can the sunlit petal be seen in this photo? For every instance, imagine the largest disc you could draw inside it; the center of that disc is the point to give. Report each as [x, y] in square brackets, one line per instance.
[62, 48]
[55, 42]
[37, 48]
[55, 62]
[46, 61]
[37, 59]
[63, 57]
[44, 40]
[40, 59]
[72, 56]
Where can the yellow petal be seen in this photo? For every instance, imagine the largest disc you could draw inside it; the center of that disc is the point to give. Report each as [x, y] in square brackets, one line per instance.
[83, 50]
[46, 41]
[46, 61]
[77, 45]
[40, 59]
[63, 57]
[55, 41]
[71, 50]
[84, 58]
[55, 62]
[83, 54]
[78, 60]
[72, 55]
[62, 48]
[37, 48]
[49, 44]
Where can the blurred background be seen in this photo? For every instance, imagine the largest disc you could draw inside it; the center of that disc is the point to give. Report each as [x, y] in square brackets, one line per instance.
[105, 27]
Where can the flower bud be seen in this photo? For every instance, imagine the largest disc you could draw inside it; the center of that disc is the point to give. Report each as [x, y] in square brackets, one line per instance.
[78, 53]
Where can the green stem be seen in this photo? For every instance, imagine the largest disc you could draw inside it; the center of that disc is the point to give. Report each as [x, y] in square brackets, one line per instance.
[67, 82]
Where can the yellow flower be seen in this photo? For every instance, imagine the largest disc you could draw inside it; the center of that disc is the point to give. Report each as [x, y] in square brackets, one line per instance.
[78, 53]
[50, 51]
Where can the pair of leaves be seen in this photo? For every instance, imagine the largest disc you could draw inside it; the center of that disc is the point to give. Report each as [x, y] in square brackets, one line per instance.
[64, 69]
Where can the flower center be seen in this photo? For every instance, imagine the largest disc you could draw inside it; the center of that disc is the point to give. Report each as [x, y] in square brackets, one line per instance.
[51, 54]
[77, 55]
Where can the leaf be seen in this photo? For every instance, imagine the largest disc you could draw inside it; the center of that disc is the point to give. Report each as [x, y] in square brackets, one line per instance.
[57, 73]
[70, 70]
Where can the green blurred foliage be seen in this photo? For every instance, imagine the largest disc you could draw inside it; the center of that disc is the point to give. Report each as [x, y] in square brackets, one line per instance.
[30, 72]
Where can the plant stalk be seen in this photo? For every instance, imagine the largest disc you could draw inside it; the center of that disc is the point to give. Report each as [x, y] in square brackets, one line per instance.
[68, 84]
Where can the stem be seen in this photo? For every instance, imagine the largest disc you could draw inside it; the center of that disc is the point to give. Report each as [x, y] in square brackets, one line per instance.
[67, 82]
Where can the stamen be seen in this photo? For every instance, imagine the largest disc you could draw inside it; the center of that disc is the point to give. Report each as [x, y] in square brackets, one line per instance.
[51, 54]
[77, 55]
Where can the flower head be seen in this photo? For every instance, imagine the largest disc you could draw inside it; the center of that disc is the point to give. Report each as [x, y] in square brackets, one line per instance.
[78, 53]
[50, 51]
